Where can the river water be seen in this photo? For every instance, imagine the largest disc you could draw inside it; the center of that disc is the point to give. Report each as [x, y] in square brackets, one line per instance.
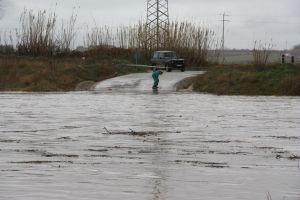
[146, 146]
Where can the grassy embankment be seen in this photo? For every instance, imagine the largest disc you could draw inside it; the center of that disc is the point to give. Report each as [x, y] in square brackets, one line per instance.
[46, 74]
[247, 80]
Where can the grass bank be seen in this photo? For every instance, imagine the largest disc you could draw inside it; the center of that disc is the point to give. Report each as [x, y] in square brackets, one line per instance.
[48, 74]
[275, 80]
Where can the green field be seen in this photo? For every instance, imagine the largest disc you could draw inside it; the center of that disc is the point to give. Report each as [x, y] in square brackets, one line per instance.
[246, 57]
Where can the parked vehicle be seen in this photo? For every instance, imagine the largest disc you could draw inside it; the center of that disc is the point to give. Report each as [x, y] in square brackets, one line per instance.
[167, 60]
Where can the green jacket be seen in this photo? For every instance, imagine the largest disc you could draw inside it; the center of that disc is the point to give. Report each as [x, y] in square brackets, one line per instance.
[155, 75]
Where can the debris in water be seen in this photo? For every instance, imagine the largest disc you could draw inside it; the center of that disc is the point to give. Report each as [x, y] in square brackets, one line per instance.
[205, 164]
[285, 137]
[64, 138]
[10, 141]
[98, 150]
[217, 141]
[47, 154]
[40, 162]
[131, 132]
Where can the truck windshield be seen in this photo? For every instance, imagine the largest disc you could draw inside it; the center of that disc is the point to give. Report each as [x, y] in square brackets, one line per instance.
[170, 55]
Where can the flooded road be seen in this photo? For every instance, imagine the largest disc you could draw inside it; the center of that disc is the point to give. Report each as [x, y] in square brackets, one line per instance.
[142, 82]
[145, 146]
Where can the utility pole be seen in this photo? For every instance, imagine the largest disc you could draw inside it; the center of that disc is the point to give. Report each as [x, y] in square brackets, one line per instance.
[223, 37]
[157, 26]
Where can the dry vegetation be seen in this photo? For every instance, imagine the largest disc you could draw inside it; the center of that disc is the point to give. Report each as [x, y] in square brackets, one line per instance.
[197, 44]
[245, 80]
[262, 53]
[40, 34]
[42, 74]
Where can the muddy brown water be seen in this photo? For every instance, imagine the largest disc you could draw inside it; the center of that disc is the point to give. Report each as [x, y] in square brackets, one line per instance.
[135, 146]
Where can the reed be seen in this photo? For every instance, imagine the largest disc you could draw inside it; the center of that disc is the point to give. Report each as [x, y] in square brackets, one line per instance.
[36, 35]
[67, 34]
[39, 35]
[261, 53]
[193, 42]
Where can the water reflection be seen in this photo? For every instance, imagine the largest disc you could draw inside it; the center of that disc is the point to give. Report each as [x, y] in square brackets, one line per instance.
[155, 91]
[160, 173]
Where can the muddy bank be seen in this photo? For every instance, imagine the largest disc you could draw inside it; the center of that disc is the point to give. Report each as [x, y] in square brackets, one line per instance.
[186, 84]
[85, 86]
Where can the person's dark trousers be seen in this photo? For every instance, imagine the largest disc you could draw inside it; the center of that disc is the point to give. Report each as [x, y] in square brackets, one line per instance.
[155, 85]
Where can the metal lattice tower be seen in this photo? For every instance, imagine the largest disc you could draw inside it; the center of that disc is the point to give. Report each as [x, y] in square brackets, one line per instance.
[157, 23]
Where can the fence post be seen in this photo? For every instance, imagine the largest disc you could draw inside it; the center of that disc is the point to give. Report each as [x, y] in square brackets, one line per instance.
[283, 59]
[293, 59]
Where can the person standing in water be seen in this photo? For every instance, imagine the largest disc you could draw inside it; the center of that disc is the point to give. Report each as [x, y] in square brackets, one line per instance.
[155, 75]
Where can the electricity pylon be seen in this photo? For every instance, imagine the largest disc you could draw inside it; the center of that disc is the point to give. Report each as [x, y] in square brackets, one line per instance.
[157, 23]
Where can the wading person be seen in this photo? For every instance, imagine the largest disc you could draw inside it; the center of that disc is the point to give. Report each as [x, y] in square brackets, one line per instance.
[155, 75]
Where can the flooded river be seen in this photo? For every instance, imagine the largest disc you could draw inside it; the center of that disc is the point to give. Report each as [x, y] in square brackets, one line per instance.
[148, 146]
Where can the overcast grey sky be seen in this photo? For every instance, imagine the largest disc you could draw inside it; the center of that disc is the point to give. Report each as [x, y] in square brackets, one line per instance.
[251, 20]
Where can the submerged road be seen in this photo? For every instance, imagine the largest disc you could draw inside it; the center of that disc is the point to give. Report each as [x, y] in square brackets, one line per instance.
[144, 82]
